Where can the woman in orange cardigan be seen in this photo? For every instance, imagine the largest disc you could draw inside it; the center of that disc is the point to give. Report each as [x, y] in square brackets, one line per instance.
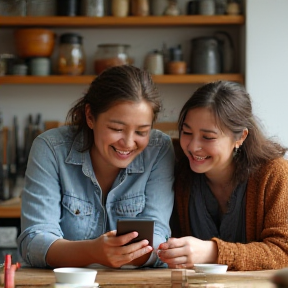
[231, 186]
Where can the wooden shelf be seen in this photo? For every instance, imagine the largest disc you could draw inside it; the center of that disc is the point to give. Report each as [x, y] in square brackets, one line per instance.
[10, 208]
[183, 20]
[87, 79]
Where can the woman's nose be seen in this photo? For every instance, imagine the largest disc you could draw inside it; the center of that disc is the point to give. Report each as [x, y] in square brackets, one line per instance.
[194, 146]
[127, 141]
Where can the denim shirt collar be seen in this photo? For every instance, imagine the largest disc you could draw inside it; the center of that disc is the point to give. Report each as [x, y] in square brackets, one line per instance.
[76, 157]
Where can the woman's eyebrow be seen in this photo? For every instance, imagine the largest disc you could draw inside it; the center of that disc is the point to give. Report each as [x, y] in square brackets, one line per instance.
[123, 123]
[203, 130]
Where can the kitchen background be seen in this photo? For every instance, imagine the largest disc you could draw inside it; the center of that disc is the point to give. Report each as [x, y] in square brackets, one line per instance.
[53, 101]
[260, 54]
[260, 51]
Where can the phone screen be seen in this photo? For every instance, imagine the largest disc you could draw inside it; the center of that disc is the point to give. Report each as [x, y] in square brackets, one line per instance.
[144, 227]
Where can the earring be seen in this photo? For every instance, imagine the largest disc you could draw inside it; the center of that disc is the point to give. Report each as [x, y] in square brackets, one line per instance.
[235, 151]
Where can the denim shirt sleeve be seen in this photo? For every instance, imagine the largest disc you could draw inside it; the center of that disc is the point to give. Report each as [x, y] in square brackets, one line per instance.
[40, 211]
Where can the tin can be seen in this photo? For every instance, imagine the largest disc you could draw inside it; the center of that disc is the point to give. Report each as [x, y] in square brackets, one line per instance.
[120, 8]
[154, 63]
[207, 7]
[41, 7]
[92, 8]
[12, 8]
[140, 7]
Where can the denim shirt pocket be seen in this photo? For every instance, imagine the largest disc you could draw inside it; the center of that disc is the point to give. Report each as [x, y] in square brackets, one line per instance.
[76, 217]
[129, 206]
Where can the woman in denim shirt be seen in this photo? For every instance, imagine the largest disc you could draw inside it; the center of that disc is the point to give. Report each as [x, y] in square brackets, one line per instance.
[107, 164]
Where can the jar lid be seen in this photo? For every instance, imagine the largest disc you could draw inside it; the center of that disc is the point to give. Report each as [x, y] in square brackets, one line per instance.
[71, 38]
[7, 56]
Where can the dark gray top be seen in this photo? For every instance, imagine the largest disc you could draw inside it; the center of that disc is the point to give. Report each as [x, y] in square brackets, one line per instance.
[206, 219]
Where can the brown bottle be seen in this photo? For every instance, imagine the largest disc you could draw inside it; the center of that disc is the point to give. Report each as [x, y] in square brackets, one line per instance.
[140, 7]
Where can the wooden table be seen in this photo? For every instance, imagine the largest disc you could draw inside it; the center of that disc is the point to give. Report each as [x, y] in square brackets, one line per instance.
[148, 278]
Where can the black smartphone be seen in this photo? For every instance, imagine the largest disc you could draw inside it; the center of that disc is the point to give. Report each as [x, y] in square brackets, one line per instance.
[144, 227]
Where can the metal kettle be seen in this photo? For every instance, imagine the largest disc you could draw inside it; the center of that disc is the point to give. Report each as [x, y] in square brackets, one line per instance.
[212, 54]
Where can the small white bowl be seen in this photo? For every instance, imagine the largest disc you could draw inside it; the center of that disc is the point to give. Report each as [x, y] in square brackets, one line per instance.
[210, 268]
[75, 275]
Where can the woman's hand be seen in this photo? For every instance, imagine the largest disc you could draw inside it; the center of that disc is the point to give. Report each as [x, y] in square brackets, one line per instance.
[186, 251]
[109, 250]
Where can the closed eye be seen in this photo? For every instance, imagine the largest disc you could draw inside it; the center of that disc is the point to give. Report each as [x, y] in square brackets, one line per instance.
[209, 138]
[186, 133]
[142, 133]
[116, 129]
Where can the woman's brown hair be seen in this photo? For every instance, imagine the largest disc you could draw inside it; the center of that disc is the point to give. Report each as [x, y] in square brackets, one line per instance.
[231, 105]
[117, 84]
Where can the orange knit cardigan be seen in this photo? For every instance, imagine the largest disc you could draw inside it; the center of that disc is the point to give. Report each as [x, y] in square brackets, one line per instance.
[266, 221]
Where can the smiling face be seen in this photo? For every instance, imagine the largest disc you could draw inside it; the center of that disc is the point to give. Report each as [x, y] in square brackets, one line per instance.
[120, 134]
[208, 148]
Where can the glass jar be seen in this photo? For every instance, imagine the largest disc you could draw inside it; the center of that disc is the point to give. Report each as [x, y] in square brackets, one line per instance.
[109, 55]
[12, 8]
[41, 7]
[71, 59]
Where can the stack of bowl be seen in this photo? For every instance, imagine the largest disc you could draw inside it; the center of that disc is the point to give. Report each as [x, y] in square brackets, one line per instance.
[35, 45]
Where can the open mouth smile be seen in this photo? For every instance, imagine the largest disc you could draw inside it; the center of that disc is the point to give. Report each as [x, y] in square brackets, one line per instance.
[199, 158]
[122, 152]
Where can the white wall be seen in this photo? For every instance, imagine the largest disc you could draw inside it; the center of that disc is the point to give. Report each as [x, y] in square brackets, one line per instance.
[267, 63]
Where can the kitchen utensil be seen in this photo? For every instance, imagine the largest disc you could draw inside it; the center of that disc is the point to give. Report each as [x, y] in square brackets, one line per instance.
[212, 54]
[34, 42]
[227, 51]
[205, 56]
[4, 170]
[69, 275]
[13, 144]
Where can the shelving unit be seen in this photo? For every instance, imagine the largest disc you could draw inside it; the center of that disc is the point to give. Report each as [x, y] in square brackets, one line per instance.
[110, 21]
[114, 22]
[87, 79]
[11, 210]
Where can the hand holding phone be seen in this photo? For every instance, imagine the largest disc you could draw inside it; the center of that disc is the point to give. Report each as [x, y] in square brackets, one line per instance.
[144, 227]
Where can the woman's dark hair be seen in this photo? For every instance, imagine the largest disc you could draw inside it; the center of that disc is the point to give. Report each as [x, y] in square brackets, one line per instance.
[231, 105]
[116, 84]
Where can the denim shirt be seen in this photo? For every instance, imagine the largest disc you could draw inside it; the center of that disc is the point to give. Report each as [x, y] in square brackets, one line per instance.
[62, 198]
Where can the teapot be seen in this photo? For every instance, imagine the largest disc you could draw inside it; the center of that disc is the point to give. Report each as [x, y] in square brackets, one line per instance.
[212, 54]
